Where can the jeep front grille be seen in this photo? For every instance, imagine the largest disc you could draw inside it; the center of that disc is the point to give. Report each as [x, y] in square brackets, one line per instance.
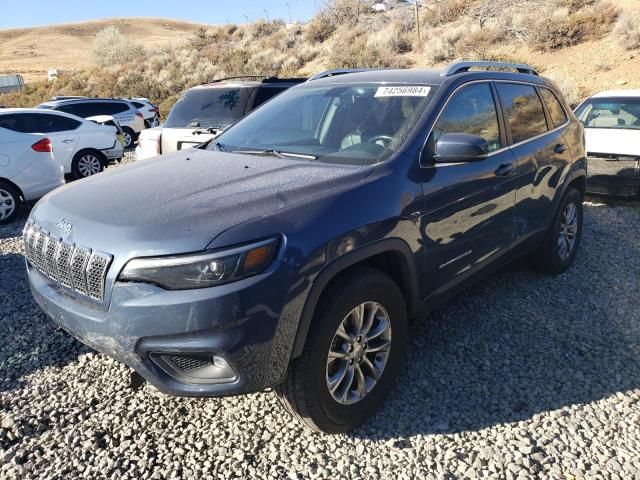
[72, 266]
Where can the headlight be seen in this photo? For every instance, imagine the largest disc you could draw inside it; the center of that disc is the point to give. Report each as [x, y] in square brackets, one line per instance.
[202, 270]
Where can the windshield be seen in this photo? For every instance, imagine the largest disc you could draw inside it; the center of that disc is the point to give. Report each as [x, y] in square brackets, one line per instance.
[359, 124]
[617, 113]
[208, 108]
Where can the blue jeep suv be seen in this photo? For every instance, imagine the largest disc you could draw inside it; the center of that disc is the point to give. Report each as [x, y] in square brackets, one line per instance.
[294, 249]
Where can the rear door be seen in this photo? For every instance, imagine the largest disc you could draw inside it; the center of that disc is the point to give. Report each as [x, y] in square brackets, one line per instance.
[467, 221]
[535, 122]
[63, 133]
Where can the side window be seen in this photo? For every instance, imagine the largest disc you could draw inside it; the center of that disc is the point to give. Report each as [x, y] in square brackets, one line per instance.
[524, 110]
[266, 93]
[72, 109]
[471, 110]
[12, 122]
[57, 123]
[114, 108]
[558, 115]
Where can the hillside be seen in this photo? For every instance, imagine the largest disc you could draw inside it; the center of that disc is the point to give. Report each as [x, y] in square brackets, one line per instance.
[33, 51]
[584, 45]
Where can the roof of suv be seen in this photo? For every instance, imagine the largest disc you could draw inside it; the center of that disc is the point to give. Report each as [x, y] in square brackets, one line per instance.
[456, 70]
[66, 101]
[251, 81]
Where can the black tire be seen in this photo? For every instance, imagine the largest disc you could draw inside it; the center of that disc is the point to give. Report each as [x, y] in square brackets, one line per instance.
[305, 392]
[10, 202]
[548, 257]
[129, 138]
[84, 161]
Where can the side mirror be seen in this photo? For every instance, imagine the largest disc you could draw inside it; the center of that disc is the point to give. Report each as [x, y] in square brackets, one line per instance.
[460, 147]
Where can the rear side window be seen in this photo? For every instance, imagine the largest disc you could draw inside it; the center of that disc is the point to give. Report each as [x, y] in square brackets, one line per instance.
[471, 110]
[55, 123]
[524, 110]
[14, 122]
[266, 93]
[110, 108]
[556, 111]
[138, 104]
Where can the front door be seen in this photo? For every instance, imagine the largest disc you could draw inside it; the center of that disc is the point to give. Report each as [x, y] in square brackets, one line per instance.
[467, 221]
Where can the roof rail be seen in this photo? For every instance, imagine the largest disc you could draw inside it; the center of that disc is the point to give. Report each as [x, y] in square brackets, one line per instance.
[460, 67]
[67, 97]
[216, 80]
[339, 71]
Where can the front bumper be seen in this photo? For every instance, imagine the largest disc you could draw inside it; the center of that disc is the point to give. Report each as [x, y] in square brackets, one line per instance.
[249, 325]
[611, 175]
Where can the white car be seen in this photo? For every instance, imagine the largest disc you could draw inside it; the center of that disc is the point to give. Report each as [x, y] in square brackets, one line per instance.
[28, 170]
[128, 116]
[612, 133]
[149, 111]
[82, 147]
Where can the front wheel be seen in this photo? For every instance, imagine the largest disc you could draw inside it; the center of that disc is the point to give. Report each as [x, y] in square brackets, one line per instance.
[560, 245]
[352, 356]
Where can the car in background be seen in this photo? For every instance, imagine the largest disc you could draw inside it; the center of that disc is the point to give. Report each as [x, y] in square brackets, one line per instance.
[80, 146]
[150, 112]
[612, 131]
[109, 121]
[206, 110]
[131, 120]
[28, 170]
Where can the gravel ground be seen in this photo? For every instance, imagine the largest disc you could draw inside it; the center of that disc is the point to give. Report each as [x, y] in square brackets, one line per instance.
[522, 376]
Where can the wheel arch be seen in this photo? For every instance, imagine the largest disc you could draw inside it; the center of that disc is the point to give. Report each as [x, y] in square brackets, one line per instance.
[391, 256]
[6, 180]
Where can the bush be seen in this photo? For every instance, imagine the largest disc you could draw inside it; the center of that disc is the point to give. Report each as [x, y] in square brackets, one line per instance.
[628, 32]
[562, 28]
[111, 47]
[319, 28]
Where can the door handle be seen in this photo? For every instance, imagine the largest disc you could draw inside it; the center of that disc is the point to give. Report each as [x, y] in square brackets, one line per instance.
[504, 169]
[67, 141]
[560, 148]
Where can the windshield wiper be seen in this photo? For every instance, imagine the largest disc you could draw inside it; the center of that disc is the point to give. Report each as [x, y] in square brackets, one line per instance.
[276, 153]
[211, 130]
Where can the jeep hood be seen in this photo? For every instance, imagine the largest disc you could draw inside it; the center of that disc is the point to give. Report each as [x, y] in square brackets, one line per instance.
[615, 141]
[181, 202]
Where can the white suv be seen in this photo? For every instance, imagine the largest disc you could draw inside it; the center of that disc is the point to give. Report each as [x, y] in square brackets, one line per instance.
[82, 147]
[127, 115]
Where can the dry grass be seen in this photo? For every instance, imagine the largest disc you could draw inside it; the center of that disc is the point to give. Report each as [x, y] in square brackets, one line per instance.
[344, 34]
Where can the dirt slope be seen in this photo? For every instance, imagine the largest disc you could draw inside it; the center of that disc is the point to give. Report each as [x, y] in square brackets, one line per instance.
[33, 51]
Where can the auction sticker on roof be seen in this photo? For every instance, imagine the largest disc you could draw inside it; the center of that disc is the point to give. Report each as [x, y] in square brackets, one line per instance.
[404, 91]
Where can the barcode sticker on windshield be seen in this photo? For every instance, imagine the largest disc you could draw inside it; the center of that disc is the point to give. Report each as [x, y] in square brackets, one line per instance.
[405, 91]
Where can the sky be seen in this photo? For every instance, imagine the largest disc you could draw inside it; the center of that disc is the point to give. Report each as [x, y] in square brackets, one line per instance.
[31, 13]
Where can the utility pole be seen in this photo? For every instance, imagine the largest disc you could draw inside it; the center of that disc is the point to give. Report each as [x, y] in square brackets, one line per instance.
[289, 7]
[246, 17]
[266, 13]
[418, 26]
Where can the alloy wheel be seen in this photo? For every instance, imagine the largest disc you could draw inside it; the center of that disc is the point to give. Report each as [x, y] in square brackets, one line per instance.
[7, 204]
[568, 231]
[128, 140]
[88, 165]
[358, 353]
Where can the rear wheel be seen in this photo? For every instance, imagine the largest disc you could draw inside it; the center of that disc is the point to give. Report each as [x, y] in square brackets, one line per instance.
[353, 353]
[563, 238]
[129, 137]
[87, 163]
[10, 202]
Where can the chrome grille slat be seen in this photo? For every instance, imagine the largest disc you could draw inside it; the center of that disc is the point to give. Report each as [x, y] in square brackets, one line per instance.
[50, 257]
[72, 266]
[40, 244]
[96, 272]
[62, 263]
[78, 265]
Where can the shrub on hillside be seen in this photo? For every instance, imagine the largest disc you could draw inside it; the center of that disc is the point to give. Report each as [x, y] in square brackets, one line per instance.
[111, 47]
[628, 32]
[551, 30]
